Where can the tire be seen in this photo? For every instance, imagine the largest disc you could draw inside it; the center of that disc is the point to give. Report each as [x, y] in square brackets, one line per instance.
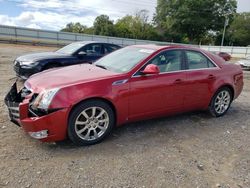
[221, 102]
[90, 122]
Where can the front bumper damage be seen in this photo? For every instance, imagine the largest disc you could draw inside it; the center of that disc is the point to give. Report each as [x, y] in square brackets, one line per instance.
[47, 127]
[12, 100]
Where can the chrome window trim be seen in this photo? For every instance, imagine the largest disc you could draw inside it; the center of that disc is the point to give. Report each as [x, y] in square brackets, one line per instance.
[185, 70]
[119, 82]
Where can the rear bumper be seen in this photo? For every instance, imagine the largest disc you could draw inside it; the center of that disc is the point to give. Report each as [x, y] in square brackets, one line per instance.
[54, 123]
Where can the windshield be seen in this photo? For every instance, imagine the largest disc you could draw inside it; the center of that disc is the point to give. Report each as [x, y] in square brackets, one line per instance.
[123, 60]
[71, 48]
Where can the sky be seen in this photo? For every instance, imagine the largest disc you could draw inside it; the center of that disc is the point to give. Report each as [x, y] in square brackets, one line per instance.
[55, 14]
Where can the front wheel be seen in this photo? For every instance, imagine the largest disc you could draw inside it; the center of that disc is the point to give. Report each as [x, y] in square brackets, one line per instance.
[221, 102]
[90, 122]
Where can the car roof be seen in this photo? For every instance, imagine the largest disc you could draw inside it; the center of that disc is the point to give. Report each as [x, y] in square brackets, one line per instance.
[162, 47]
[92, 42]
[158, 48]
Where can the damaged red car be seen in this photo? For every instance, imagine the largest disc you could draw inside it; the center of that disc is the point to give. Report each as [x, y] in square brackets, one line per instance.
[84, 102]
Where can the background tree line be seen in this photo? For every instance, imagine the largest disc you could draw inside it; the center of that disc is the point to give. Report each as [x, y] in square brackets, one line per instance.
[181, 21]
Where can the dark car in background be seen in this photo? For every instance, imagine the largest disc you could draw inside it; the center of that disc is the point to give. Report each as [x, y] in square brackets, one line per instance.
[74, 53]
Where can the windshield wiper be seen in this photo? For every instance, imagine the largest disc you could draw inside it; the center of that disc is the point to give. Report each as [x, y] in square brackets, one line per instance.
[101, 66]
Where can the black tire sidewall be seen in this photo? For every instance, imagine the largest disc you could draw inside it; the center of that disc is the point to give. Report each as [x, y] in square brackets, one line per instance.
[212, 106]
[77, 110]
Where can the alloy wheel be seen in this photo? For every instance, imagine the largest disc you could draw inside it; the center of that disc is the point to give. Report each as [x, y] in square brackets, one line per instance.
[92, 123]
[222, 101]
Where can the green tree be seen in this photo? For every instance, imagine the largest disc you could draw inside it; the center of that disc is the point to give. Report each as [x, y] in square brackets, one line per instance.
[103, 26]
[75, 28]
[124, 27]
[136, 26]
[239, 30]
[193, 18]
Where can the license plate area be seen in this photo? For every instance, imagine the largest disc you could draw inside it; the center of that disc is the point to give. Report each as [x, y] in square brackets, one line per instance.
[12, 101]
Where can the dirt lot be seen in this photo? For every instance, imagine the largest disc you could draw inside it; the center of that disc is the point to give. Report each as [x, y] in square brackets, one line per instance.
[190, 150]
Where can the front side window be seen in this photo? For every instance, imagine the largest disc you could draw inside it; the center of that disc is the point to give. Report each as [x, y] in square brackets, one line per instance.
[93, 49]
[196, 60]
[168, 61]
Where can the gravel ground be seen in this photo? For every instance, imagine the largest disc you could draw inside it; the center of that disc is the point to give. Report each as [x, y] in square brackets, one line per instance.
[189, 150]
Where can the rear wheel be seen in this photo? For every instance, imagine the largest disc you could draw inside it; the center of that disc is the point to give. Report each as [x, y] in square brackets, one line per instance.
[90, 122]
[221, 102]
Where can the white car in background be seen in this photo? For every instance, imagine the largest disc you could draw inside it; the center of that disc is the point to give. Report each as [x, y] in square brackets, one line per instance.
[244, 63]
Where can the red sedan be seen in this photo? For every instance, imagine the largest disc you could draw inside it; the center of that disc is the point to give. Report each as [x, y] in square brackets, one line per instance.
[84, 102]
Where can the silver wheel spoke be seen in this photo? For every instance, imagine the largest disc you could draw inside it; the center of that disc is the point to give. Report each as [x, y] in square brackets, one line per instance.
[222, 108]
[81, 122]
[101, 127]
[85, 114]
[87, 135]
[103, 121]
[95, 133]
[223, 94]
[82, 130]
[93, 111]
[217, 108]
[219, 97]
[216, 103]
[100, 114]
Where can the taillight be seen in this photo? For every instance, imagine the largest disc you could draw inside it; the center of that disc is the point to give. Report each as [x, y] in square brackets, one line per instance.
[238, 77]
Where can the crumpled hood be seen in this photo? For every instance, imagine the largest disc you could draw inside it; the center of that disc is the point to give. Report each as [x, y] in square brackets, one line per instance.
[41, 56]
[65, 76]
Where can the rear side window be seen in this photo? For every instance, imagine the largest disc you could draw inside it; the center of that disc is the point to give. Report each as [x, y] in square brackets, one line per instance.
[197, 60]
[110, 48]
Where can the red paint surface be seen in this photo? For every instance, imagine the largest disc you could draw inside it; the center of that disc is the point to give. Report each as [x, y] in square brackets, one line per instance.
[141, 97]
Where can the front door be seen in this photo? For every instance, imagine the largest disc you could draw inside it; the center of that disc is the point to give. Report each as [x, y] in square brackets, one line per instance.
[153, 95]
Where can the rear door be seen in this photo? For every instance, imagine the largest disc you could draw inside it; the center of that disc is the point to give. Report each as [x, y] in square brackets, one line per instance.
[153, 95]
[201, 75]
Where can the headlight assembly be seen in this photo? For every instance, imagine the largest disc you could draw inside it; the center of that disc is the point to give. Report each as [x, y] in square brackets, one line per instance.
[28, 63]
[44, 99]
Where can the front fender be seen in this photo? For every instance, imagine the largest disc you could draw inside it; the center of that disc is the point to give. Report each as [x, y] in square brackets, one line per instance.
[70, 96]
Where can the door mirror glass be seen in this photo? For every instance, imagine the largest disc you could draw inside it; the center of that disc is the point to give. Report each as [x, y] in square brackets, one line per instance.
[82, 53]
[151, 69]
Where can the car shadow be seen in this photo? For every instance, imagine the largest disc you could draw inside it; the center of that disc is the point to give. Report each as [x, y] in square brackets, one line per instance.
[132, 132]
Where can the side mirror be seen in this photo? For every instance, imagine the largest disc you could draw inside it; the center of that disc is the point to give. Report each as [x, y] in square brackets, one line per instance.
[151, 69]
[82, 53]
